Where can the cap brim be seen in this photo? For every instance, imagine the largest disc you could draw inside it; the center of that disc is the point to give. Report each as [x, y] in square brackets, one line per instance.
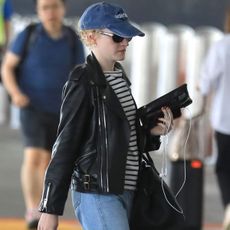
[125, 29]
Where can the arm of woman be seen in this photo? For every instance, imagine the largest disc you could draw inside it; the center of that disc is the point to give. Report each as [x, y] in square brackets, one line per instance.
[75, 113]
[48, 222]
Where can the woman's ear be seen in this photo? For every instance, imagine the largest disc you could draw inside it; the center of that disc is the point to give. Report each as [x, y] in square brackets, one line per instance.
[92, 38]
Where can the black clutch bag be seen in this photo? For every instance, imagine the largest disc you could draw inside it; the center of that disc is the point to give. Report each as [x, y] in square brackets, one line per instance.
[175, 100]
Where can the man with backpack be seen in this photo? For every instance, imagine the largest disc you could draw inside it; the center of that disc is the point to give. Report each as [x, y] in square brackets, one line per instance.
[34, 71]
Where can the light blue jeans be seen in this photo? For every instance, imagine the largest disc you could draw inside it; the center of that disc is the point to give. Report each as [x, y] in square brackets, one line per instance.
[103, 212]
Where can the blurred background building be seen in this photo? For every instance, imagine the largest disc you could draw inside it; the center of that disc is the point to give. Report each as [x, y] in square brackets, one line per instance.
[178, 34]
[190, 12]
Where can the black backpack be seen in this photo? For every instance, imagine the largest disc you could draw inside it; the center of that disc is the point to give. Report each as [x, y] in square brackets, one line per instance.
[30, 38]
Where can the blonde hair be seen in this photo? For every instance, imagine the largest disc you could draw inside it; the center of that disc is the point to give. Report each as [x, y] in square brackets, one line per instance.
[88, 37]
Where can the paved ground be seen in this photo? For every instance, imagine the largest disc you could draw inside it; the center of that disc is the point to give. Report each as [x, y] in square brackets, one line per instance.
[11, 203]
[19, 224]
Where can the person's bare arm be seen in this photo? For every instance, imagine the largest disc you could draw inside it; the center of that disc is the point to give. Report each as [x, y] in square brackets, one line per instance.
[7, 25]
[8, 68]
[48, 222]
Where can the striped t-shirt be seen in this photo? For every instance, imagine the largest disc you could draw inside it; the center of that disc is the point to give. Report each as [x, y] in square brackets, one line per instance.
[122, 90]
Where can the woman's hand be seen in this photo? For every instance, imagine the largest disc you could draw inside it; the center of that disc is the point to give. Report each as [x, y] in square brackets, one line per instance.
[165, 123]
[48, 222]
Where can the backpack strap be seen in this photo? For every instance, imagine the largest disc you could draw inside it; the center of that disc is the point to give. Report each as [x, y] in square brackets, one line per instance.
[30, 36]
[27, 43]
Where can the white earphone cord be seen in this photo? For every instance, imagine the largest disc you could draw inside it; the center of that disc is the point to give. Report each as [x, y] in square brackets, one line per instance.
[164, 165]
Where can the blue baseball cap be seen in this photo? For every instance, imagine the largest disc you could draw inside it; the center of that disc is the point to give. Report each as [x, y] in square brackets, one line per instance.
[103, 15]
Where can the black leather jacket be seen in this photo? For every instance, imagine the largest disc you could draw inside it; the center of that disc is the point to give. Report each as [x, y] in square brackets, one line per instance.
[92, 142]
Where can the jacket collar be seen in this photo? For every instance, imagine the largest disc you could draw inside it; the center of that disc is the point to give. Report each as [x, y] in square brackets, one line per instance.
[98, 78]
[96, 72]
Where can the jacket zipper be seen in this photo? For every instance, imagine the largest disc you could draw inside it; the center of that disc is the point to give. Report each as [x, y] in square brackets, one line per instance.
[104, 157]
[46, 196]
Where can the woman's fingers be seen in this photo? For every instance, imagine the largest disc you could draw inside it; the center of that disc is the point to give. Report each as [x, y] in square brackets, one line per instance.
[165, 123]
[167, 120]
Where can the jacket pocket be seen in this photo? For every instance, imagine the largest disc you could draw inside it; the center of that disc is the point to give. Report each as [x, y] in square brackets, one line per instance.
[85, 162]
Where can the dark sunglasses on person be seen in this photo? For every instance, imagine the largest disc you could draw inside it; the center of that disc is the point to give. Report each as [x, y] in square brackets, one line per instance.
[116, 38]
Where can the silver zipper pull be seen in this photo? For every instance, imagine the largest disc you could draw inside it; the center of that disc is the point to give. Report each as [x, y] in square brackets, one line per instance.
[46, 196]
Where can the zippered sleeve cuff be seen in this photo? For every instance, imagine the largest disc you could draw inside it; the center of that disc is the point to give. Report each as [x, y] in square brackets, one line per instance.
[51, 203]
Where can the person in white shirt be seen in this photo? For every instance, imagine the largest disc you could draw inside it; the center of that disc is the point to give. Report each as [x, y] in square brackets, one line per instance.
[215, 84]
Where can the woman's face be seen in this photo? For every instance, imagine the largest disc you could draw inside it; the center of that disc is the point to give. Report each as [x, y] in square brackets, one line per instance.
[108, 49]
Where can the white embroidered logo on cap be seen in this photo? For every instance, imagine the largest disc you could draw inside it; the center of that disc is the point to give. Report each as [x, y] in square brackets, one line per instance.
[121, 15]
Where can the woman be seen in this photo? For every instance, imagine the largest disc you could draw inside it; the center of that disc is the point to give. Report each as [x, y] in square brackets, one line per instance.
[99, 138]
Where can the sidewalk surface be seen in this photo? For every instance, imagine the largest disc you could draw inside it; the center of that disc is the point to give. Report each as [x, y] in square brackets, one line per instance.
[11, 201]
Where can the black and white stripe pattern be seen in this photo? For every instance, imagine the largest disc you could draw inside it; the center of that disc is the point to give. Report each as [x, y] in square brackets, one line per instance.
[122, 90]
